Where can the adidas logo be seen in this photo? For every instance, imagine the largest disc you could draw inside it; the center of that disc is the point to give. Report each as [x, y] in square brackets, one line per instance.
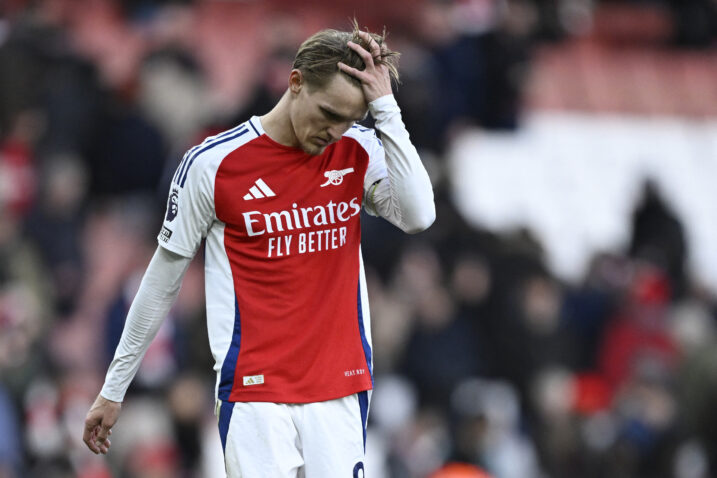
[259, 190]
[253, 380]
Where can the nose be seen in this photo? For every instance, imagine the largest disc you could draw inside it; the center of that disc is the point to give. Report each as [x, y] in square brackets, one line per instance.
[333, 133]
[336, 131]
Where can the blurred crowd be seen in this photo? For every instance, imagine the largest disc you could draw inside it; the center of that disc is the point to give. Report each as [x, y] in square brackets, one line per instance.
[482, 355]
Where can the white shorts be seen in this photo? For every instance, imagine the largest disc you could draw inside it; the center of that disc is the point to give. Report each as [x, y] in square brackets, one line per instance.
[308, 440]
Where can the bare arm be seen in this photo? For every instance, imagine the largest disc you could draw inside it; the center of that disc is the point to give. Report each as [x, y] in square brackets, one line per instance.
[159, 288]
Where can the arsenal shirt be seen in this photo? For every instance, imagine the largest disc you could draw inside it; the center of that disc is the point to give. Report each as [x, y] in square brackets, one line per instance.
[287, 309]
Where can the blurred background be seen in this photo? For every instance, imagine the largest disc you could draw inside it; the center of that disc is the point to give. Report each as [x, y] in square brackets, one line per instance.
[558, 319]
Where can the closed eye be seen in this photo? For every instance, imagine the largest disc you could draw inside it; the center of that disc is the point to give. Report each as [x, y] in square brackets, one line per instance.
[331, 116]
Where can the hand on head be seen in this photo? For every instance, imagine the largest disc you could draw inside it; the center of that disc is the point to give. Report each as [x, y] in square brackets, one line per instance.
[375, 78]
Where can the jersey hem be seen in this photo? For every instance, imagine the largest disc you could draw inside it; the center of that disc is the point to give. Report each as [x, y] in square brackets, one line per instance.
[272, 397]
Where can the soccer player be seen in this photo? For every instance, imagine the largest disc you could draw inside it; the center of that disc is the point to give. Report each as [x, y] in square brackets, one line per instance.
[277, 200]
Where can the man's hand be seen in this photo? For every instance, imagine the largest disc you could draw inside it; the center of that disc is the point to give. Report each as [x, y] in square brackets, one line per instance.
[98, 424]
[375, 79]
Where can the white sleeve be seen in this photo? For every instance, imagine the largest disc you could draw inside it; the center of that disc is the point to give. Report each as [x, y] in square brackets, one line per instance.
[190, 207]
[403, 193]
[159, 288]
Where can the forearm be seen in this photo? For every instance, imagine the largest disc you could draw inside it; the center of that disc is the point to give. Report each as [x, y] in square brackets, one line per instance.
[406, 199]
[157, 292]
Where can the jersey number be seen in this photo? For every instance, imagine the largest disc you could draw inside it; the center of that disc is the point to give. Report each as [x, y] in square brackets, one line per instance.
[357, 468]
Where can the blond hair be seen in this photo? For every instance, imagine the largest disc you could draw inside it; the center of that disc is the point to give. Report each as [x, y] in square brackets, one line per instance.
[319, 55]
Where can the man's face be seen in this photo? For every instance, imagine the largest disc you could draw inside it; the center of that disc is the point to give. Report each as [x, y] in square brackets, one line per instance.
[321, 115]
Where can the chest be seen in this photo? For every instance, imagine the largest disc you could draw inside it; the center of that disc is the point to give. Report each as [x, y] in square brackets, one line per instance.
[264, 189]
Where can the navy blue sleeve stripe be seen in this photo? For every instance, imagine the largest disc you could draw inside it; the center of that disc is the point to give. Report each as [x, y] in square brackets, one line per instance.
[254, 128]
[180, 169]
[183, 164]
[183, 178]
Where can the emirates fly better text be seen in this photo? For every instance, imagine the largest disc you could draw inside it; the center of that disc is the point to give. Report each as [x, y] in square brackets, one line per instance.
[258, 223]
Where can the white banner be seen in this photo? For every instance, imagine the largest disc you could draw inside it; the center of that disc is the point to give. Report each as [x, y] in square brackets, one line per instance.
[575, 179]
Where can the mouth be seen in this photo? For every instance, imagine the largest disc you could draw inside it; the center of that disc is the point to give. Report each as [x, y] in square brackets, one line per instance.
[321, 141]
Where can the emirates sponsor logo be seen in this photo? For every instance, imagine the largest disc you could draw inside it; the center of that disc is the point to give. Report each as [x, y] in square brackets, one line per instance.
[258, 223]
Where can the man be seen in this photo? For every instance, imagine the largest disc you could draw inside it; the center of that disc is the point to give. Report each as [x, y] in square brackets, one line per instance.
[278, 201]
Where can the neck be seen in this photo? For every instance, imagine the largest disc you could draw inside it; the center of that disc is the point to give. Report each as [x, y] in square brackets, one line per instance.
[277, 123]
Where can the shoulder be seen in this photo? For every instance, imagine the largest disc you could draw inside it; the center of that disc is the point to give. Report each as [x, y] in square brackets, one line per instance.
[224, 141]
[207, 155]
[366, 137]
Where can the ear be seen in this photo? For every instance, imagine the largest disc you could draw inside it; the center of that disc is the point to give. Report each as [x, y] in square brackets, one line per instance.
[296, 81]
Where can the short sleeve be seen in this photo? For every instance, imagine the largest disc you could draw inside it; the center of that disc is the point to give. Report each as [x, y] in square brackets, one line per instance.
[190, 208]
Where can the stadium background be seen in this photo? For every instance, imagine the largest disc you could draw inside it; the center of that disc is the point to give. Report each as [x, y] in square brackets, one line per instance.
[558, 320]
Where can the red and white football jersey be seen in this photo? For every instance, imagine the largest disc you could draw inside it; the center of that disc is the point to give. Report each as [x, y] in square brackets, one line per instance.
[287, 309]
